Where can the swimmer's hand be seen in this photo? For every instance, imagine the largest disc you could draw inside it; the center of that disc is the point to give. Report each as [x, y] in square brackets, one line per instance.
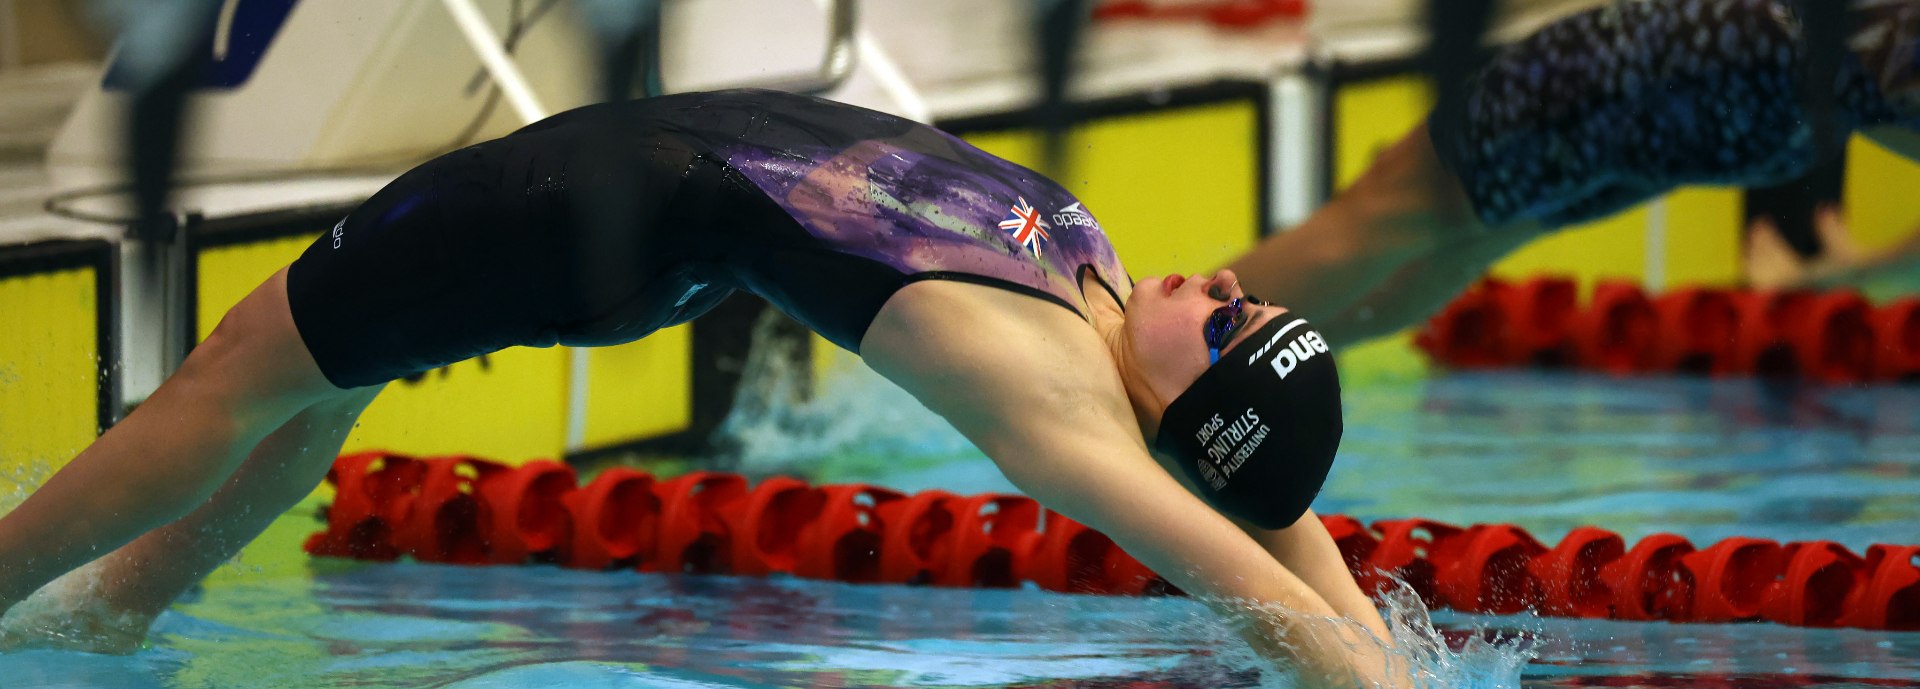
[1324, 652]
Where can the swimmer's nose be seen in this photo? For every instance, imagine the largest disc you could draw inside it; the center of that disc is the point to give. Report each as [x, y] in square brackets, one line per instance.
[1224, 285]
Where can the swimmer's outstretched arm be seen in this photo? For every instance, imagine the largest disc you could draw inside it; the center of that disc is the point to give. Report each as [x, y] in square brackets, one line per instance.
[1036, 390]
[1307, 550]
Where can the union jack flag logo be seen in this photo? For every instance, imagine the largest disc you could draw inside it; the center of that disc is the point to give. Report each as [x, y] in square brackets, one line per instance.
[1027, 227]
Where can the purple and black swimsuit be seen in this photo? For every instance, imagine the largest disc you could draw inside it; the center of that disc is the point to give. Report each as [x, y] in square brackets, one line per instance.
[602, 224]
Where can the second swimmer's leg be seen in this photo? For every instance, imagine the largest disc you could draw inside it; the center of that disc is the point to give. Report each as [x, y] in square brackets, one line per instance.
[1402, 209]
[1592, 114]
[1652, 95]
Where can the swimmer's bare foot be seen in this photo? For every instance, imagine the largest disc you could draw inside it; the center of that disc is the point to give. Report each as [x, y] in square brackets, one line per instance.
[69, 615]
[1771, 263]
[75, 632]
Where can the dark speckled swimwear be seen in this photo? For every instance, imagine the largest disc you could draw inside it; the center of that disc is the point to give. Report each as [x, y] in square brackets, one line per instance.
[1613, 106]
[603, 224]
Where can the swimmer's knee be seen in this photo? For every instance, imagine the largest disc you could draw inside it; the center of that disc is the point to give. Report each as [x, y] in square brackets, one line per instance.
[1406, 203]
[255, 358]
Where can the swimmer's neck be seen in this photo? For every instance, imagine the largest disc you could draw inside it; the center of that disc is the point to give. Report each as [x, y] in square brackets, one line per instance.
[1103, 312]
[1109, 319]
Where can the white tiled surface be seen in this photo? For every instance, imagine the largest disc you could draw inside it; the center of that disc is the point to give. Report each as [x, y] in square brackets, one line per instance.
[33, 103]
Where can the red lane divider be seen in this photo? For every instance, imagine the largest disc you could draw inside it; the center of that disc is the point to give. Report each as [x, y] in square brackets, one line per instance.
[1819, 578]
[845, 541]
[444, 523]
[1734, 576]
[527, 511]
[1838, 344]
[1569, 574]
[991, 534]
[1405, 552]
[1226, 13]
[1615, 333]
[1896, 338]
[1694, 323]
[1763, 338]
[615, 518]
[1488, 571]
[373, 494]
[915, 538]
[1540, 320]
[1648, 582]
[696, 534]
[1470, 332]
[1890, 598]
[1831, 337]
[769, 529]
[471, 511]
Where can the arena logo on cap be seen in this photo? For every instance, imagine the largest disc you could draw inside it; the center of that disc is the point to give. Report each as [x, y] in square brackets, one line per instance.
[1295, 352]
[1298, 351]
[1268, 346]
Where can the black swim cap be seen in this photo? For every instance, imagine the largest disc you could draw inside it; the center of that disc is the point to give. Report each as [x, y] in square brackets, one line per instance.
[1258, 431]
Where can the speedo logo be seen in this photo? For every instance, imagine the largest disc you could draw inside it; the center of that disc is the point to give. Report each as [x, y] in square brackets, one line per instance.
[339, 232]
[1075, 215]
[1294, 353]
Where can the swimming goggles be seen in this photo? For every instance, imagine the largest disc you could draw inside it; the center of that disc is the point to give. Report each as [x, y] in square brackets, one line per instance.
[1220, 326]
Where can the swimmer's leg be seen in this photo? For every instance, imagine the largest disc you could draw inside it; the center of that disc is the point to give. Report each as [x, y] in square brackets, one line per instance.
[1590, 115]
[250, 376]
[1663, 93]
[1404, 208]
[1421, 288]
[112, 601]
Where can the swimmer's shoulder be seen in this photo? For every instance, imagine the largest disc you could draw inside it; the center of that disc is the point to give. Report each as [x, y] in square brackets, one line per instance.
[1007, 370]
[924, 308]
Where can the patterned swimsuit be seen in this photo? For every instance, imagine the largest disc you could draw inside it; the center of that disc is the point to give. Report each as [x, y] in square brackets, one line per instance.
[1613, 106]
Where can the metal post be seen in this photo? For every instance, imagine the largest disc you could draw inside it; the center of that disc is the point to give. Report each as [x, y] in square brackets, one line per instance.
[505, 73]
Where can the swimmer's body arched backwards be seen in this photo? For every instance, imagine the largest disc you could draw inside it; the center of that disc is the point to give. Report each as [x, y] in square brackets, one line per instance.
[602, 224]
[982, 288]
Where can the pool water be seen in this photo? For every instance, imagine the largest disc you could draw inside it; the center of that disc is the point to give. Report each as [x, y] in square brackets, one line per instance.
[1704, 459]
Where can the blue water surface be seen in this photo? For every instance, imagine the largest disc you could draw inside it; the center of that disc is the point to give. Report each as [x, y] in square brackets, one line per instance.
[1703, 459]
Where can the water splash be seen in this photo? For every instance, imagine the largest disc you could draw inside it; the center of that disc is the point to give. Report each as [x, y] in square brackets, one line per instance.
[69, 614]
[20, 480]
[853, 415]
[1419, 657]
